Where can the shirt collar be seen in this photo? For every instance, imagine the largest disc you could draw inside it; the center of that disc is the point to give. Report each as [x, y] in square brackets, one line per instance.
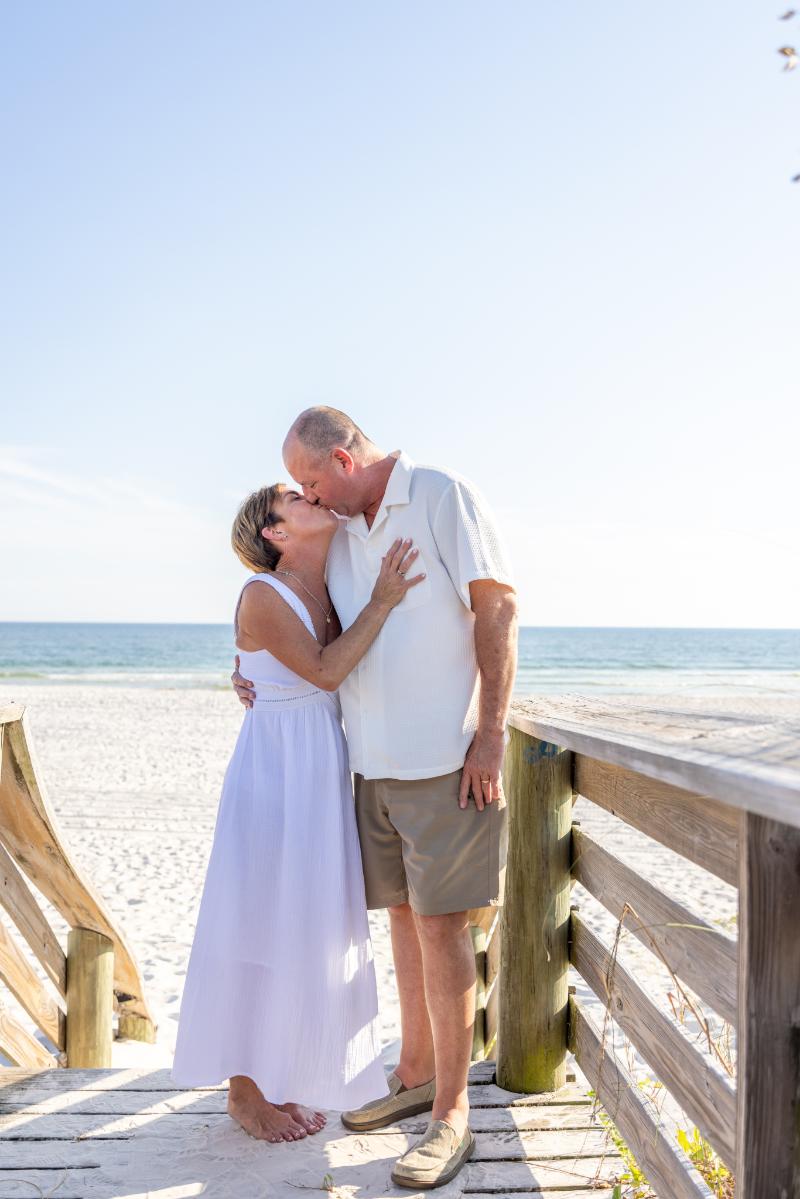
[398, 491]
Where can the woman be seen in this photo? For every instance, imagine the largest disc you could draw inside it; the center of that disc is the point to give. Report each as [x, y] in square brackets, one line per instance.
[280, 992]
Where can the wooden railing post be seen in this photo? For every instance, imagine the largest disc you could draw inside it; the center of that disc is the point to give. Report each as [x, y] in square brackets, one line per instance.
[532, 1033]
[768, 1069]
[90, 998]
[479, 1027]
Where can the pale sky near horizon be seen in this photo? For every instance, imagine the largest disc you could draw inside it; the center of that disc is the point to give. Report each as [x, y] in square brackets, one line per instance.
[552, 247]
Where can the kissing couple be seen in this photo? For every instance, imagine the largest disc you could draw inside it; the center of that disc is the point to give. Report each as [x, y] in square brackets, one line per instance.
[379, 597]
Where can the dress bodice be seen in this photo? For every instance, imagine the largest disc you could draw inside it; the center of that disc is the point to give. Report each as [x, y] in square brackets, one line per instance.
[263, 669]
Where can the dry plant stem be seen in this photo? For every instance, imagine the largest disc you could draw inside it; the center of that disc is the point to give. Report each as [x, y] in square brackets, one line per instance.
[686, 999]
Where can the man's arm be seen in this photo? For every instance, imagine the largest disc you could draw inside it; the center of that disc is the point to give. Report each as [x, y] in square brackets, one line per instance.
[495, 608]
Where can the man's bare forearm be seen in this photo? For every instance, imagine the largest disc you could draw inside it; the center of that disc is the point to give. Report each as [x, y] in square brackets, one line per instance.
[495, 608]
[496, 651]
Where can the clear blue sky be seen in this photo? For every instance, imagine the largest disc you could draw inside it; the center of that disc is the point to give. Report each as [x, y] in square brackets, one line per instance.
[552, 246]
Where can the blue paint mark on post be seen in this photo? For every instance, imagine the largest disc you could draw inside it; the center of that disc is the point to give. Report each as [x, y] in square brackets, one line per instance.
[540, 750]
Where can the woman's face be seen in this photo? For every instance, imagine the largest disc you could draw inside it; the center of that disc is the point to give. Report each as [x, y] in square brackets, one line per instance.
[301, 519]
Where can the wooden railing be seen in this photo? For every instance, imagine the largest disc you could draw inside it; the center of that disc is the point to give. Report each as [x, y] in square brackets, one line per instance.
[718, 784]
[73, 1004]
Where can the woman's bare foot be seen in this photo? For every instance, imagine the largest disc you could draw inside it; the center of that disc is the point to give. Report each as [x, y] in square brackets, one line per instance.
[310, 1119]
[258, 1117]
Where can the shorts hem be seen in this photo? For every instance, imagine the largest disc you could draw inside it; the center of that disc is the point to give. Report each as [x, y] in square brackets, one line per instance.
[392, 902]
[436, 909]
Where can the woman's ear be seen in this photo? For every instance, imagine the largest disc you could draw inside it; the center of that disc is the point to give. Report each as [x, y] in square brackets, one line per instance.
[271, 534]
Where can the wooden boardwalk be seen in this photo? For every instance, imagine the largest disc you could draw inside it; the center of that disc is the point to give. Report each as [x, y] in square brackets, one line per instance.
[109, 1134]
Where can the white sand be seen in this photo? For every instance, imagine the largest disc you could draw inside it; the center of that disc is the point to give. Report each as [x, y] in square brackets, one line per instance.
[134, 777]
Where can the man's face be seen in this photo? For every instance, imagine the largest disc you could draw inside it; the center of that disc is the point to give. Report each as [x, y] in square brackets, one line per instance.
[327, 481]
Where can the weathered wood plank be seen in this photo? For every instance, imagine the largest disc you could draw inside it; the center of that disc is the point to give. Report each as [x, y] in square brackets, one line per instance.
[742, 751]
[164, 1101]
[661, 1162]
[553, 1176]
[702, 1090]
[78, 1121]
[79, 1183]
[592, 1192]
[515, 1146]
[50, 1155]
[27, 1088]
[26, 915]
[28, 989]
[703, 956]
[769, 1022]
[17, 1044]
[29, 830]
[698, 828]
[532, 1030]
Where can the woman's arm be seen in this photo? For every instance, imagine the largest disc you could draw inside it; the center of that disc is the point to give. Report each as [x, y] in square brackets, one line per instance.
[266, 619]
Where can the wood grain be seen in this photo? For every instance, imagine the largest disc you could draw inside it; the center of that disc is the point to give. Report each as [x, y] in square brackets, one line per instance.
[534, 961]
[662, 1163]
[701, 955]
[699, 1086]
[17, 1044]
[26, 915]
[28, 989]
[28, 828]
[90, 993]
[744, 752]
[698, 828]
[769, 1020]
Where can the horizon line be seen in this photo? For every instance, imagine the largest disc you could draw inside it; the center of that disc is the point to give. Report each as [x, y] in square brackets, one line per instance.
[564, 627]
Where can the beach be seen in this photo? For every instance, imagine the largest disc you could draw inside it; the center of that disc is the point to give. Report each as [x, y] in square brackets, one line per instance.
[134, 776]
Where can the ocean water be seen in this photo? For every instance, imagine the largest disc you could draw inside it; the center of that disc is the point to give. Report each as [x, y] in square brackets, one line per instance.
[588, 661]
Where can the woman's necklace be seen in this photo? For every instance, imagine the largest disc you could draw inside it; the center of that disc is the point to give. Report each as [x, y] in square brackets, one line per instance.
[292, 575]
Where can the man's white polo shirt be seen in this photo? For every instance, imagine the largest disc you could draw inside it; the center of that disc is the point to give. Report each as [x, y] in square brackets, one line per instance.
[411, 705]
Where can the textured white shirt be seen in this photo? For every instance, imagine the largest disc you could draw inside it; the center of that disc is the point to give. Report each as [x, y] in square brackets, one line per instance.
[410, 707]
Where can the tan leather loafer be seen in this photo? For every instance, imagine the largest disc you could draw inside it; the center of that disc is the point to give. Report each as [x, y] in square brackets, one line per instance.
[435, 1159]
[403, 1101]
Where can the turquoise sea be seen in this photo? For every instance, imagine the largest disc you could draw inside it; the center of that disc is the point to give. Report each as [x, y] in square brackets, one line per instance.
[606, 660]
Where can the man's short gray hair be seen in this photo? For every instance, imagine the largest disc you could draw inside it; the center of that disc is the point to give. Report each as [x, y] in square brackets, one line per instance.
[320, 430]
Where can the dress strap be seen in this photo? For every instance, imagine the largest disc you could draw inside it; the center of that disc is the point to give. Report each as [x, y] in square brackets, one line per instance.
[294, 601]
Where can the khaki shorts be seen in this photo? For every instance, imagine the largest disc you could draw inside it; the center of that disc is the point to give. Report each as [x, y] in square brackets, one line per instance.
[419, 847]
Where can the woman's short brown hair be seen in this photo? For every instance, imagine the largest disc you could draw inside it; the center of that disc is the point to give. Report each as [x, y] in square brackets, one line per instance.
[255, 513]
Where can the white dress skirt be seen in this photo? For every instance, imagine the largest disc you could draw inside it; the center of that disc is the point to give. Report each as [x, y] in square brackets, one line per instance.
[280, 984]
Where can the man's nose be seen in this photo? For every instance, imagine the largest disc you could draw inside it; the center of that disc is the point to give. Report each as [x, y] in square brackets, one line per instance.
[308, 494]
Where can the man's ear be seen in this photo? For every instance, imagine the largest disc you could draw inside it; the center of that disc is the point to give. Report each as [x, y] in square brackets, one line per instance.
[343, 460]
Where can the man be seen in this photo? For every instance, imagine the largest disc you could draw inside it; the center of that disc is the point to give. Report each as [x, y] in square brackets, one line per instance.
[425, 714]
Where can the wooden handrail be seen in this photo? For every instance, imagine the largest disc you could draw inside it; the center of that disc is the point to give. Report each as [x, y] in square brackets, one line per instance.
[715, 748]
[699, 776]
[703, 1091]
[660, 1160]
[698, 828]
[31, 845]
[701, 955]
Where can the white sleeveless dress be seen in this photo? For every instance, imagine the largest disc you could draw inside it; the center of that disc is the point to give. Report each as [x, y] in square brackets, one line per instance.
[280, 984]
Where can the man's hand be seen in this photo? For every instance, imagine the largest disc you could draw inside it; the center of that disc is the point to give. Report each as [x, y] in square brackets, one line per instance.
[242, 687]
[481, 773]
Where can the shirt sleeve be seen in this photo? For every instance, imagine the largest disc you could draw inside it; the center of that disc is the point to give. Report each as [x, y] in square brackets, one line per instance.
[467, 539]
